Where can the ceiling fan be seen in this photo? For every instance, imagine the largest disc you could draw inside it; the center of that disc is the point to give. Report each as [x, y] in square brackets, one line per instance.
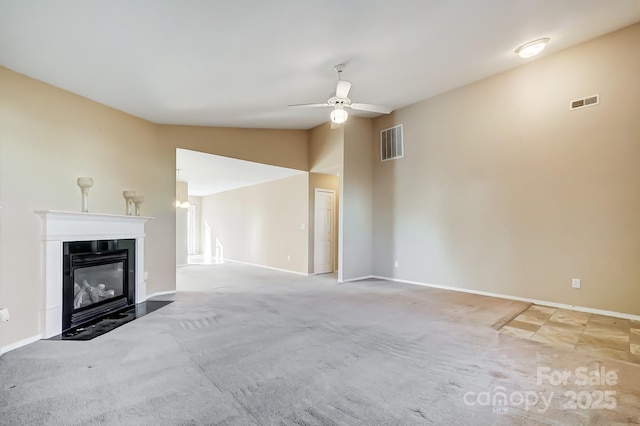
[340, 101]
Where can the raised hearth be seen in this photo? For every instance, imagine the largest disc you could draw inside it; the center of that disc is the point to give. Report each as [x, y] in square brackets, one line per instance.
[60, 227]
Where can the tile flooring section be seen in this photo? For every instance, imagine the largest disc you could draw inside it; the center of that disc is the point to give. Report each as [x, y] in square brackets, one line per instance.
[599, 335]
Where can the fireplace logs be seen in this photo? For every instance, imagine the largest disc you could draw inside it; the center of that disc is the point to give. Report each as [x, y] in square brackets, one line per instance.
[86, 294]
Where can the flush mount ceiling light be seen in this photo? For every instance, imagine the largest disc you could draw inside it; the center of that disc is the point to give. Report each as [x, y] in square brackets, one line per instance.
[532, 48]
[339, 115]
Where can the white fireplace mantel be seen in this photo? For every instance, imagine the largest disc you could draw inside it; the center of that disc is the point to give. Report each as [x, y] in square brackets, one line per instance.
[59, 227]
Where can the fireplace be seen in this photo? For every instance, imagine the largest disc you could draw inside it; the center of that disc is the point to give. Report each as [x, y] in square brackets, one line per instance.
[98, 279]
[72, 235]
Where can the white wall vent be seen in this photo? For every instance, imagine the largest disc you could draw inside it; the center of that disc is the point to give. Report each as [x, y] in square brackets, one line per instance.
[391, 146]
[585, 102]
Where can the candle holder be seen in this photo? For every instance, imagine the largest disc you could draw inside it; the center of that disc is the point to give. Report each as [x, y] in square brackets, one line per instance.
[85, 183]
[137, 200]
[128, 199]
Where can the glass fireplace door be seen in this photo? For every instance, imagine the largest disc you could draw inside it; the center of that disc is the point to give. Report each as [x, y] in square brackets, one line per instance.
[94, 284]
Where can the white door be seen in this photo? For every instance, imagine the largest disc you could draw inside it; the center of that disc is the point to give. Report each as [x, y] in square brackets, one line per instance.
[323, 231]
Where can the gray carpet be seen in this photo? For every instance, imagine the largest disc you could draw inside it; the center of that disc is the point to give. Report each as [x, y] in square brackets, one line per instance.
[249, 346]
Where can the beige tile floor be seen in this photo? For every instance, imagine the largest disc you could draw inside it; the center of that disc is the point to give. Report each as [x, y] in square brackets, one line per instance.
[599, 335]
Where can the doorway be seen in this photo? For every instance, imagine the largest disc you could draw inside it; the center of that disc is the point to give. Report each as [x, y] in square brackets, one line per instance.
[324, 231]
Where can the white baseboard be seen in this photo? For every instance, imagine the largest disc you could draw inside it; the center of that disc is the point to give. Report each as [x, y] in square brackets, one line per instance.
[267, 267]
[366, 277]
[160, 293]
[19, 344]
[521, 299]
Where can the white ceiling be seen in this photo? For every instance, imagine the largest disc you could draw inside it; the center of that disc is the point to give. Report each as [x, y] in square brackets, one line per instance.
[209, 174]
[240, 63]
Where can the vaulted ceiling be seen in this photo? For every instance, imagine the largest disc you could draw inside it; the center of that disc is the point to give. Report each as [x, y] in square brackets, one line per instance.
[240, 63]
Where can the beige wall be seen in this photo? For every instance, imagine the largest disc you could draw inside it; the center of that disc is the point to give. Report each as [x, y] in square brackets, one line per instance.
[284, 148]
[326, 149]
[261, 224]
[345, 152]
[48, 138]
[356, 200]
[323, 181]
[504, 189]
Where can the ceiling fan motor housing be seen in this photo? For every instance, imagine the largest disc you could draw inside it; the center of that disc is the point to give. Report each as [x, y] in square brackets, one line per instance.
[334, 101]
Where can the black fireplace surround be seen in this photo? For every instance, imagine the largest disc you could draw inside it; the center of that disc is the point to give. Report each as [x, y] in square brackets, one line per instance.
[98, 280]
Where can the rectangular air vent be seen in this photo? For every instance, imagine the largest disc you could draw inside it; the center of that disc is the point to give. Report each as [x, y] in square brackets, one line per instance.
[391, 146]
[589, 101]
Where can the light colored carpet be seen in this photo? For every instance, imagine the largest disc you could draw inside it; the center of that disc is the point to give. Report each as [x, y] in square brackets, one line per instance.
[249, 346]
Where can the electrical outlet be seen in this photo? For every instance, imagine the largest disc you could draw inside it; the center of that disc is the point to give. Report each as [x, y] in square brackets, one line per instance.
[395, 264]
[575, 283]
[289, 258]
[4, 314]
[146, 275]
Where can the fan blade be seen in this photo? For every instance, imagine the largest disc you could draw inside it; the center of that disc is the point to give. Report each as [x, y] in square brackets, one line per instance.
[342, 91]
[370, 108]
[309, 105]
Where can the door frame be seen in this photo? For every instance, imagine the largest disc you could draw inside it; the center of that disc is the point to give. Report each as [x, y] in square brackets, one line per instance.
[332, 253]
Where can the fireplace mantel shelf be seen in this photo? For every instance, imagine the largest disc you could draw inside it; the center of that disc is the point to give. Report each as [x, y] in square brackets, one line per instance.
[81, 215]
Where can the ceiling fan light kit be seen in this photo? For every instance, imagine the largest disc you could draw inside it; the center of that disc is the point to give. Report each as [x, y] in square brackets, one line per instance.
[339, 115]
[341, 101]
